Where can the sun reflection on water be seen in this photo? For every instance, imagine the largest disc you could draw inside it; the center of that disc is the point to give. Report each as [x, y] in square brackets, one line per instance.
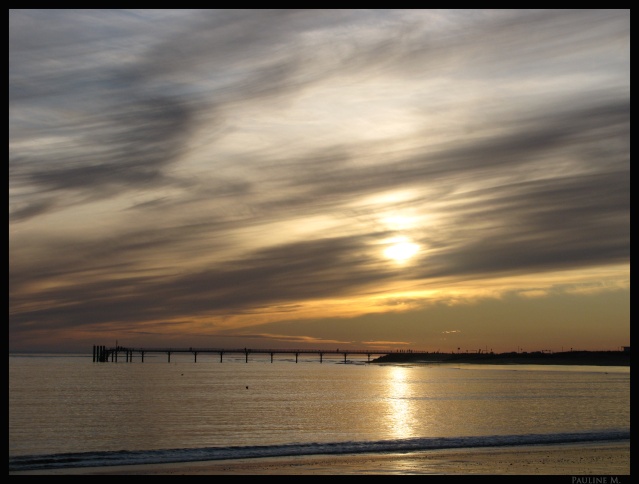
[401, 413]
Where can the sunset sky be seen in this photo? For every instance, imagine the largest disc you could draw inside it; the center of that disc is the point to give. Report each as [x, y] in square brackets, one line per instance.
[410, 179]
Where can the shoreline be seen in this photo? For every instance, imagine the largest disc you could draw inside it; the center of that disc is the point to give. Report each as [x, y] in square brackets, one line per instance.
[578, 459]
[589, 358]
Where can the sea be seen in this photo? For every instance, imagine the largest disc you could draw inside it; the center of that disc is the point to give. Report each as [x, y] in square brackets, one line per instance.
[68, 411]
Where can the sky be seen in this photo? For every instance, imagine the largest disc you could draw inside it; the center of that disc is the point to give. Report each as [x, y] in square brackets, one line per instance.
[434, 180]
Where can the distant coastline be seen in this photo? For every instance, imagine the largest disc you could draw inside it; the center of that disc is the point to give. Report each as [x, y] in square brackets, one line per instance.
[596, 358]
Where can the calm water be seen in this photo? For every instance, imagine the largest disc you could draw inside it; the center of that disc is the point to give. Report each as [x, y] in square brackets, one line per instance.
[69, 411]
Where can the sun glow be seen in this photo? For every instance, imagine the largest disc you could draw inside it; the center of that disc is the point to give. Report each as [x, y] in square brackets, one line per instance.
[401, 250]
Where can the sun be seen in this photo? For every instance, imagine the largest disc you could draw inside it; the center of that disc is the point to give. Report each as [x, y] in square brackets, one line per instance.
[401, 250]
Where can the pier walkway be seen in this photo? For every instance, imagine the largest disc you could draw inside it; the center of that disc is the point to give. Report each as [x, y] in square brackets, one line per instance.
[112, 354]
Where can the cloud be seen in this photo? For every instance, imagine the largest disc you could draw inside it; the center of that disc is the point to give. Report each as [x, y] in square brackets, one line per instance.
[181, 165]
[126, 119]
[386, 344]
[306, 340]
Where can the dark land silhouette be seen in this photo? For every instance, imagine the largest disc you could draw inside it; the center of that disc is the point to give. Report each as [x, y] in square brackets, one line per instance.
[598, 358]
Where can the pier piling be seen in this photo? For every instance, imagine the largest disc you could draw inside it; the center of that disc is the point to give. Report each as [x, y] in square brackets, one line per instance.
[102, 354]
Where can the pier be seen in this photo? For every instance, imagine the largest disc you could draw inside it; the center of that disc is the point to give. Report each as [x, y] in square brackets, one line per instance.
[103, 354]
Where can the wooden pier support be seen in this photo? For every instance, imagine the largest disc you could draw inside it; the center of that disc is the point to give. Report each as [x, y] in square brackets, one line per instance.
[103, 354]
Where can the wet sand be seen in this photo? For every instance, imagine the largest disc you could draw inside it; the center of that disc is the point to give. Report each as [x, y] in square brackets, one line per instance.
[589, 459]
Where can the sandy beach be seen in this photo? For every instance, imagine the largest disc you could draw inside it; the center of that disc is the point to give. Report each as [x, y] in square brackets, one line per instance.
[590, 459]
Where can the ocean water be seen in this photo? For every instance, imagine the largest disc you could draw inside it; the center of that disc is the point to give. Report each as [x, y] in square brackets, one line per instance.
[67, 411]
